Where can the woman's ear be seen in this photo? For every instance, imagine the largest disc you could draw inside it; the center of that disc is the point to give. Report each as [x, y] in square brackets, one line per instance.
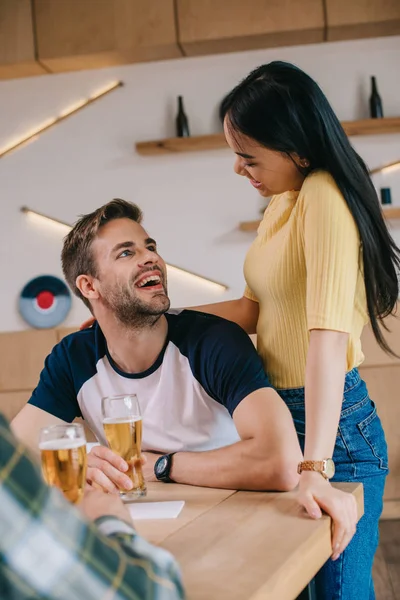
[304, 163]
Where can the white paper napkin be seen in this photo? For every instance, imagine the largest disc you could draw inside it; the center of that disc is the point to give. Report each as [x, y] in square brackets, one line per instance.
[155, 510]
[91, 445]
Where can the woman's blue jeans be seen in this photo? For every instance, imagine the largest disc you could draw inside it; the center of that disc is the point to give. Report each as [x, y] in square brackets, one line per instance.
[360, 455]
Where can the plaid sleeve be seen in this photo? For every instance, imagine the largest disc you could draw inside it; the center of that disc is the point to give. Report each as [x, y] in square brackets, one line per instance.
[48, 551]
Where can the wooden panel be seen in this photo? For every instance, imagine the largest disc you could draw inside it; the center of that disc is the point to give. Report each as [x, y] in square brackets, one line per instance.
[197, 502]
[22, 357]
[99, 33]
[391, 510]
[61, 333]
[374, 356]
[12, 402]
[213, 26]
[75, 35]
[380, 574]
[362, 18]
[390, 548]
[17, 51]
[146, 30]
[258, 546]
[383, 385]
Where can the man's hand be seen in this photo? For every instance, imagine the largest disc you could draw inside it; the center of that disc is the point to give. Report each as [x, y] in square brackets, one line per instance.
[150, 459]
[107, 470]
[96, 504]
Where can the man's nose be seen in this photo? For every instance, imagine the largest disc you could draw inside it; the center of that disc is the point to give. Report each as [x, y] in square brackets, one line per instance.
[147, 257]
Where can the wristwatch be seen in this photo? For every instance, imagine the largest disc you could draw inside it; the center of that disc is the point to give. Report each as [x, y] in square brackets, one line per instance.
[162, 468]
[326, 467]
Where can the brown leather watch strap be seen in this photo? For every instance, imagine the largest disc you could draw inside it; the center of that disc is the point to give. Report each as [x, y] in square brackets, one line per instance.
[311, 465]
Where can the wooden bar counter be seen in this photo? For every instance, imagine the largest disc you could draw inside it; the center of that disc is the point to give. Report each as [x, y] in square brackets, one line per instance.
[242, 545]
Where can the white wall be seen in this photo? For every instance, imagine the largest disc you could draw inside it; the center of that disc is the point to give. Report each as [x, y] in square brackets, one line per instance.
[192, 202]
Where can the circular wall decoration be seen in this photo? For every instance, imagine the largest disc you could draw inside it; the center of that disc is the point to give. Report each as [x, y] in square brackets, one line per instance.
[44, 302]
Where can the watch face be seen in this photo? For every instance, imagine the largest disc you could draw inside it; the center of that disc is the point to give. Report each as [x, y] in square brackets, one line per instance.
[162, 465]
[329, 468]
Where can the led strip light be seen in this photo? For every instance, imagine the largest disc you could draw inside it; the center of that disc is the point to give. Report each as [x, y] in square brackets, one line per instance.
[71, 110]
[66, 227]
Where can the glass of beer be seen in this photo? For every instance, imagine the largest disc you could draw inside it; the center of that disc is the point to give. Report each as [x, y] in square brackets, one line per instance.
[63, 454]
[122, 424]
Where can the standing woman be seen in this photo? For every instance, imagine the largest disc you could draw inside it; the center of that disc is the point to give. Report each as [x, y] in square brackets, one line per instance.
[323, 265]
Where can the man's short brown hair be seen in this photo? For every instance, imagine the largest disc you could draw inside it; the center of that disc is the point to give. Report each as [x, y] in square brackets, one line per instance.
[76, 256]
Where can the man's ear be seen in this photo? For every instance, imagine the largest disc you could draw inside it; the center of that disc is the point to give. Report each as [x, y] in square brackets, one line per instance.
[87, 287]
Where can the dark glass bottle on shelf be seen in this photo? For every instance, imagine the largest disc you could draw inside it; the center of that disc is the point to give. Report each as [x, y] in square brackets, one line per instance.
[386, 197]
[375, 102]
[182, 124]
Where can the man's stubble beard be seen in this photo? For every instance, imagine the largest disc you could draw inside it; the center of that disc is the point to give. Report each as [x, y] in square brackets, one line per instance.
[131, 311]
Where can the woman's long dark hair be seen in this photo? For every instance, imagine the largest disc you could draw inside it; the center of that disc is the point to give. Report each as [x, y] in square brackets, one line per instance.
[283, 109]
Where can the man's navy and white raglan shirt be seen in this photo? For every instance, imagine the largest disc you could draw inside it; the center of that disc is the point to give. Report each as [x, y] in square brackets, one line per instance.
[206, 368]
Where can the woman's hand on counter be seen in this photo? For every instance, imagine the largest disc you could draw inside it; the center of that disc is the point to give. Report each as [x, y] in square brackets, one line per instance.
[316, 494]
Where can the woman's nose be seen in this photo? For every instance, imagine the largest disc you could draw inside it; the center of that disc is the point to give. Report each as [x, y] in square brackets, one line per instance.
[238, 166]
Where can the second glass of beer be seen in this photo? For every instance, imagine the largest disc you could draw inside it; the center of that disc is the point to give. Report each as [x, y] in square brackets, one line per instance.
[122, 424]
[63, 454]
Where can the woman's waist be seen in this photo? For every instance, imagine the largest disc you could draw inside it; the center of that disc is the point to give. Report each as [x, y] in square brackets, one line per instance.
[354, 391]
[284, 353]
[286, 370]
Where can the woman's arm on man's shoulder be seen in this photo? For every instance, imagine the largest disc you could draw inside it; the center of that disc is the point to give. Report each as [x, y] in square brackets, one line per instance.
[242, 311]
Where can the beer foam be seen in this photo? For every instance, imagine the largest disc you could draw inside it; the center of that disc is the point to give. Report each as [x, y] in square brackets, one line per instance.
[120, 420]
[62, 444]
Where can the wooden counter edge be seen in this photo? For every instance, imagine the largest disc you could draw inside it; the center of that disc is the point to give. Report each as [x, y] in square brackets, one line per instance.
[294, 587]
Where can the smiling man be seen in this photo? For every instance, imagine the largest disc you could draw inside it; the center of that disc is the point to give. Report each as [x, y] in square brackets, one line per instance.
[210, 416]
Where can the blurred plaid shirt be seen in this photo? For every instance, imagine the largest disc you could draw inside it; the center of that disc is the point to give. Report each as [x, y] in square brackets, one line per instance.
[48, 551]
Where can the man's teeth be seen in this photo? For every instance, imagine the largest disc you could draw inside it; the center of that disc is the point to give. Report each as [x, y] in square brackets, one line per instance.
[154, 278]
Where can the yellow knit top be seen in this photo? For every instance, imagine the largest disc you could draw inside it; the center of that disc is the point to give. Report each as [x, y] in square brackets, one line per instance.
[305, 270]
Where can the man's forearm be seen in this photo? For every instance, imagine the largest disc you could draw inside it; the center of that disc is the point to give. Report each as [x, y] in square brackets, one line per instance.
[242, 465]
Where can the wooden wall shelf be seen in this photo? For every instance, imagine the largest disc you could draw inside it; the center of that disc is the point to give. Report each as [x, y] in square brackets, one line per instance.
[217, 140]
[249, 225]
[372, 126]
[183, 144]
[390, 213]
